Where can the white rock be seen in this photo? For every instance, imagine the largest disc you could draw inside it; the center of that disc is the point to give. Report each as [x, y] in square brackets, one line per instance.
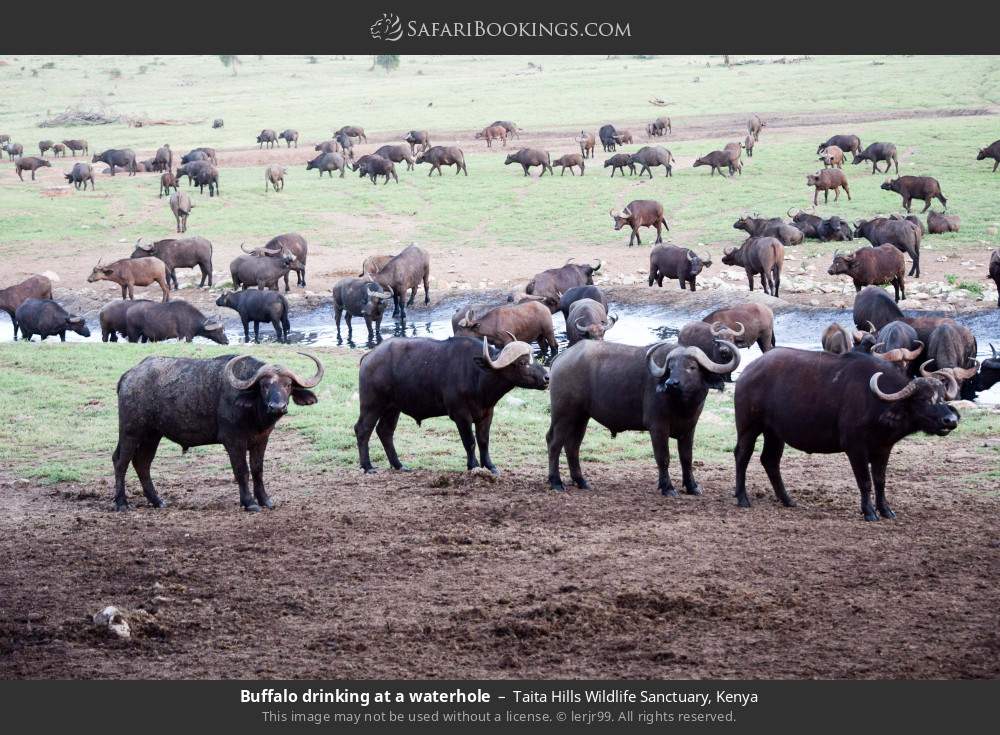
[909, 304]
[113, 621]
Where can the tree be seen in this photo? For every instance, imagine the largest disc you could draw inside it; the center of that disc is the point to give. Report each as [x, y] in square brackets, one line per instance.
[230, 62]
[388, 62]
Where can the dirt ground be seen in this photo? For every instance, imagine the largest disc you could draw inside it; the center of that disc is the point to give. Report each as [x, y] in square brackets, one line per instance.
[454, 575]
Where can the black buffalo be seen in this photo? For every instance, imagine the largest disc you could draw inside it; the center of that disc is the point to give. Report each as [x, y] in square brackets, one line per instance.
[259, 306]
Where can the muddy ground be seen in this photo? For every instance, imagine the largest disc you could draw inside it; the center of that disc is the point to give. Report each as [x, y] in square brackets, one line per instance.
[454, 575]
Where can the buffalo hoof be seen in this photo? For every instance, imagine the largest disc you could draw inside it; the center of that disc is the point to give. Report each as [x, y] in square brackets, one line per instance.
[558, 487]
[886, 512]
[870, 515]
[695, 489]
[582, 484]
[670, 492]
[403, 468]
[369, 470]
[252, 508]
[742, 501]
[268, 503]
[122, 507]
[159, 503]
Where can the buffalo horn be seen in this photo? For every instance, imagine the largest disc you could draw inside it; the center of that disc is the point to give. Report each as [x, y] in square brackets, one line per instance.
[716, 367]
[211, 325]
[899, 395]
[75, 320]
[508, 354]
[578, 327]
[611, 321]
[467, 320]
[994, 349]
[243, 248]
[657, 371]
[310, 383]
[598, 266]
[147, 248]
[944, 374]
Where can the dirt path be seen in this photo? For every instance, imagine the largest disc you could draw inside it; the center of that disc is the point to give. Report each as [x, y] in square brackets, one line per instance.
[452, 575]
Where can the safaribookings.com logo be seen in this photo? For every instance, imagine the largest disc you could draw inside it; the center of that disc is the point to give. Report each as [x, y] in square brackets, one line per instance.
[390, 28]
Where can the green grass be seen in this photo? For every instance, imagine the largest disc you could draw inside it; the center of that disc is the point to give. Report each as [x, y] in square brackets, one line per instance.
[61, 411]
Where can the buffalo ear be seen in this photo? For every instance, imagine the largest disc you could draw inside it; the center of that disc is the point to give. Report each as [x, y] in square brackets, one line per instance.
[303, 397]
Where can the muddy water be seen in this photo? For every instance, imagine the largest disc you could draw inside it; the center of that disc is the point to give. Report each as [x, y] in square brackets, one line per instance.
[637, 325]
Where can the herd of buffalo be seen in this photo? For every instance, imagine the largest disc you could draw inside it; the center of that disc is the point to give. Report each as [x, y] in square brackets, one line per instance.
[895, 375]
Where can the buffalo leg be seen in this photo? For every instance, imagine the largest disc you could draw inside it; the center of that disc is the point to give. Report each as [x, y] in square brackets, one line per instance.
[350, 329]
[246, 328]
[363, 431]
[776, 281]
[770, 458]
[685, 447]
[483, 442]
[927, 205]
[427, 288]
[142, 460]
[257, 472]
[336, 315]
[413, 296]
[121, 458]
[907, 203]
[659, 230]
[256, 331]
[468, 441]
[661, 451]
[744, 451]
[880, 460]
[862, 474]
[276, 323]
[572, 444]
[238, 460]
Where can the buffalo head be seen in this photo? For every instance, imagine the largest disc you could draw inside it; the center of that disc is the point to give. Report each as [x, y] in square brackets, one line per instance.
[515, 364]
[271, 386]
[687, 370]
[921, 402]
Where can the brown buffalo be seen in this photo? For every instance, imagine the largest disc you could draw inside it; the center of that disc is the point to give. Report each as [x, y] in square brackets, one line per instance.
[529, 322]
[641, 213]
[131, 272]
[823, 181]
[877, 266]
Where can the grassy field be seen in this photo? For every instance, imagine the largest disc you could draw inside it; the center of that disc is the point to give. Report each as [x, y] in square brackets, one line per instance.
[60, 400]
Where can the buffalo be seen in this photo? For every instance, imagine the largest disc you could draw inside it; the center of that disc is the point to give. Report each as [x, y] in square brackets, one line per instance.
[187, 252]
[233, 400]
[439, 156]
[572, 295]
[873, 266]
[641, 213]
[397, 154]
[274, 177]
[989, 372]
[902, 234]
[877, 152]
[588, 319]
[129, 273]
[660, 389]
[360, 297]
[618, 162]
[404, 273]
[328, 163]
[35, 287]
[670, 261]
[528, 321]
[491, 133]
[262, 272]
[551, 284]
[747, 323]
[458, 377]
[649, 157]
[168, 181]
[281, 246]
[763, 256]
[181, 205]
[174, 320]
[822, 403]
[832, 156]
[716, 160]
[259, 306]
[755, 125]
[353, 131]
[47, 318]
[528, 157]
[419, 138]
[846, 143]
[609, 138]
[511, 128]
[13, 150]
[938, 223]
[29, 163]
[113, 318]
[896, 342]
[374, 166]
[164, 158]
[775, 227]
[568, 161]
[117, 158]
[824, 230]
[659, 126]
[823, 181]
[77, 146]
[268, 137]
[916, 187]
[290, 136]
[587, 144]
[991, 151]
[734, 150]
[712, 339]
[58, 149]
[373, 264]
[79, 175]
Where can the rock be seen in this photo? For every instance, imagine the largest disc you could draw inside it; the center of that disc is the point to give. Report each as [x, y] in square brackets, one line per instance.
[112, 620]
[812, 302]
[918, 297]
[909, 304]
[481, 473]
